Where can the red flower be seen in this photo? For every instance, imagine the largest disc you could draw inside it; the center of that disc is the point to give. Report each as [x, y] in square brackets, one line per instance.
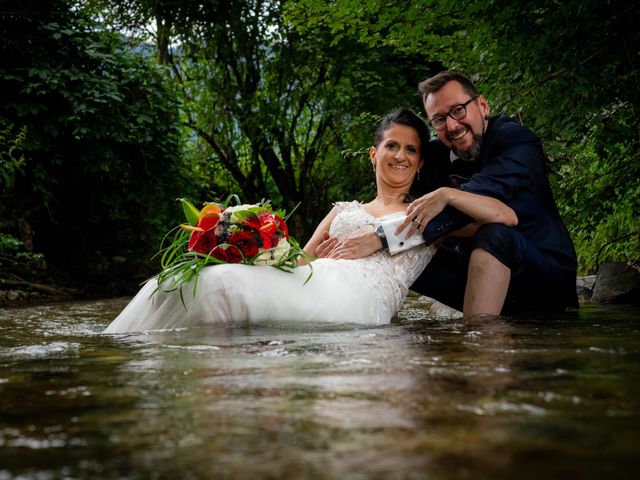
[220, 254]
[246, 242]
[203, 242]
[228, 254]
[268, 229]
[233, 254]
[202, 238]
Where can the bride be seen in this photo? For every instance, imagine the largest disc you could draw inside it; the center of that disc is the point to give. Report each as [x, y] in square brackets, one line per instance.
[342, 289]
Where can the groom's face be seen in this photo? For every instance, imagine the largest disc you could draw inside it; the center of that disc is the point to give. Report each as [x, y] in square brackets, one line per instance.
[462, 136]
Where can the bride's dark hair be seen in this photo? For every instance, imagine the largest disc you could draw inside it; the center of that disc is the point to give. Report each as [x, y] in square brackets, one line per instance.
[403, 116]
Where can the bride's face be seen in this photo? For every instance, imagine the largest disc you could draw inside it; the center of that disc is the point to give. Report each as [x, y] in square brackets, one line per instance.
[397, 157]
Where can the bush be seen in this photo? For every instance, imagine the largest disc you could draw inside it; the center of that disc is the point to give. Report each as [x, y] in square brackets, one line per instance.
[102, 144]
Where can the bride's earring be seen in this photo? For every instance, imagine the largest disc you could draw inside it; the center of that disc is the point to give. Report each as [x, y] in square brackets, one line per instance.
[374, 167]
[418, 175]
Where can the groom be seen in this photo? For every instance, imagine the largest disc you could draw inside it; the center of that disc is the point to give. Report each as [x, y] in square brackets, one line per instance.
[498, 269]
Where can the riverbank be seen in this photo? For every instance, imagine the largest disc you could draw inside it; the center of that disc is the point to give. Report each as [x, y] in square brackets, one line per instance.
[17, 292]
[20, 292]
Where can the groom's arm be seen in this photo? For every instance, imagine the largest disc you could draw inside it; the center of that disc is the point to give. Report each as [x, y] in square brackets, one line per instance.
[446, 210]
[367, 243]
[446, 222]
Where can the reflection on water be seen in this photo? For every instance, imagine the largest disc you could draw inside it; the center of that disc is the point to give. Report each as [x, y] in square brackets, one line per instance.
[423, 398]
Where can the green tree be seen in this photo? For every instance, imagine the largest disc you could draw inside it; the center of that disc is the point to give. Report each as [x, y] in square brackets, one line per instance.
[568, 70]
[270, 109]
[102, 144]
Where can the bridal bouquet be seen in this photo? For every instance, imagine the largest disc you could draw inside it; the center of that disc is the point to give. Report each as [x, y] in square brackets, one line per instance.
[249, 234]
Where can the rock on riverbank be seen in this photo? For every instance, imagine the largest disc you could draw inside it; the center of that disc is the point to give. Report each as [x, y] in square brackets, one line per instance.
[617, 282]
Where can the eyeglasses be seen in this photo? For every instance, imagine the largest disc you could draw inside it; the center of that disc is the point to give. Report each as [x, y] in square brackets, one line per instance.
[457, 112]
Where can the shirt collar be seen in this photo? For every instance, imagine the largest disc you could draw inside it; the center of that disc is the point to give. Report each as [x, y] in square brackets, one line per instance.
[453, 157]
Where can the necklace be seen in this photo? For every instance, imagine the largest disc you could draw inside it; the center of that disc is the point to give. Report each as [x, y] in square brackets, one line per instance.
[401, 197]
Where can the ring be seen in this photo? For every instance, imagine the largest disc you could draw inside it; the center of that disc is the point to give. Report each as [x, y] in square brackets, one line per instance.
[415, 221]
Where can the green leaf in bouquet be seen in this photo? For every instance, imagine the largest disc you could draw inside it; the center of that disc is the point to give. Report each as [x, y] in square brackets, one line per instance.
[190, 212]
[284, 215]
[234, 197]
[244, 215]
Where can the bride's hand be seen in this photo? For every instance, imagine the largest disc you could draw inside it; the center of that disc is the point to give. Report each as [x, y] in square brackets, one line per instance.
[325, 249]
[354, 246]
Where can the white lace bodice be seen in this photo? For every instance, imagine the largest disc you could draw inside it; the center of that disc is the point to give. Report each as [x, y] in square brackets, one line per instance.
[389, 276]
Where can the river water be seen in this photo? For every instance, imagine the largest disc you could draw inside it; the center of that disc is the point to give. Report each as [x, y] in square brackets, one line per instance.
[424, 398]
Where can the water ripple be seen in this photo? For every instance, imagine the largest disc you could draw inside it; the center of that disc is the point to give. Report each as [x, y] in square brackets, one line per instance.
[43, 350]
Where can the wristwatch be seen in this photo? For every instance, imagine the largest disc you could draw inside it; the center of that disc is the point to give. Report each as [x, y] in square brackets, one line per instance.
[381, 235]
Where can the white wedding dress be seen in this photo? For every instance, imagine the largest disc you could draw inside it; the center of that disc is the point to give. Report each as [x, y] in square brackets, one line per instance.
[364, 291]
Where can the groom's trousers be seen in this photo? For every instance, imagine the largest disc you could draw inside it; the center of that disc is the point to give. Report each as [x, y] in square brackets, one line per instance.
[539, 282]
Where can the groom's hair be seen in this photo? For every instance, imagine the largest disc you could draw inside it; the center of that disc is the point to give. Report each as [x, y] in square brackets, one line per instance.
[435, 83]
[403, 116]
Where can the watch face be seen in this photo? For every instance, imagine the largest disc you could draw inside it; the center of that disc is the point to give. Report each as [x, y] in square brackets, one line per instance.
[383, 238]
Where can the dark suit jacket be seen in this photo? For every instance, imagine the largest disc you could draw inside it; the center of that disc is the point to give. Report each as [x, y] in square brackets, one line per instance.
[511, 167]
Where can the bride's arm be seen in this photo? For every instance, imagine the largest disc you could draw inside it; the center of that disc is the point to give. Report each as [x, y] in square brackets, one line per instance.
[480, 208]
[319, 236]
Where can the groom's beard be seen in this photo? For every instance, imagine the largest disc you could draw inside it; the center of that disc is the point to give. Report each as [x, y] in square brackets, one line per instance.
[473, 153]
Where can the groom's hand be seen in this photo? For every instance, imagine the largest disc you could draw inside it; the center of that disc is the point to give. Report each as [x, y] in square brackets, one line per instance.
[421, 211]
[354, 246]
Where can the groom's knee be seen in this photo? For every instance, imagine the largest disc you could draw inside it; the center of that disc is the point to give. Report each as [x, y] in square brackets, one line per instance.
[504, 243]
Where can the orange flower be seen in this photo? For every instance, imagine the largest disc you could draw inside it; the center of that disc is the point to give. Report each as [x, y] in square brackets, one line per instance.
[209, 210]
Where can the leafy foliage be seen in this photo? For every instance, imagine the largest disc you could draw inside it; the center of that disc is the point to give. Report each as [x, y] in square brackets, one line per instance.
[17, 262]
[102, 141]
[270, 109]
[11, 155]
[601, 183]
[568, 70]
[99, 133]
